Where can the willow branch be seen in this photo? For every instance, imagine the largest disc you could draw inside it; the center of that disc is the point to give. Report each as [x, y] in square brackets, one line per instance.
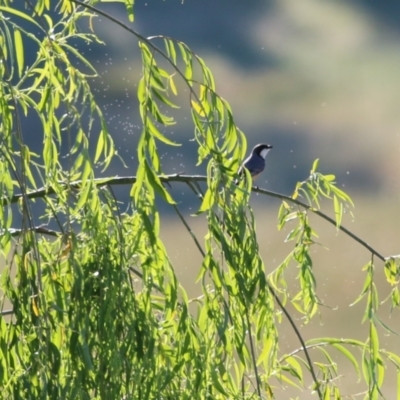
[298, 334]
[37, 229]
[189, 179]
[322, 215]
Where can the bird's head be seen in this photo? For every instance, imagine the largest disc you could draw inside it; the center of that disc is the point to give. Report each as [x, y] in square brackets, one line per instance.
[262, 150]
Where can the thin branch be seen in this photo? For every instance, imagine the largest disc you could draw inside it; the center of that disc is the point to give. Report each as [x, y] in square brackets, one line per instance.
[253, 353]
[37, 229]
[124, 180]
[322, 215]
[298, 334]
[129, 180]
[7, 312]
[189, 229]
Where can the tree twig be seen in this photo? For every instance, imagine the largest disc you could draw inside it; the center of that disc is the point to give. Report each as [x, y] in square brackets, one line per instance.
[129, 180]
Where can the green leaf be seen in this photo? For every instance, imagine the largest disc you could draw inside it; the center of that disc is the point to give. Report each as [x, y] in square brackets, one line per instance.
[342, 195]
[284, 378]
[367, 283]
[338, 207]
[197, 107]
[187, 58]
[374, 338]
[156, 184]
[170, 47]
[172, 85]
[83, 196]
[138, 185]
[20, 14]
[156, 133]
[78, 55]
[142, 91]
[19, 51]
[129, 8]
[100, 145]
[296, 368]
[392, 272]
[329, 178]
[348, 355]
[315, 166]
[208, 201]
[327, 393]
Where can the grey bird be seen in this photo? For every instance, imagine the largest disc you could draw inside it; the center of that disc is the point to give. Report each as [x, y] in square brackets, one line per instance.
[255, 162]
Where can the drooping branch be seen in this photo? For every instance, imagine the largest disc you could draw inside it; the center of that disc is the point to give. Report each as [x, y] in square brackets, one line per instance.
[41, 230]
[190, 179]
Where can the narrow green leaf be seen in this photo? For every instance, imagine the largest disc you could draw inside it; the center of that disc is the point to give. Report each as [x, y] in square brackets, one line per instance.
[172, 85]
[44, 98]
[217, 384]
[296, 367]
[392, 272]
[374, 342]
[197, 107]
[129, 8]
[348, 355]
[342, 195]
[170, 47]
[398, 385]
[87, 170]
[155, 182]
[187, 58]
[83, 196]
[20, 14]
[327, 393]
[329, 178]
[156, 133]
[284, 378]
[78, 55]
[19, 51]
[338, 207]
[365, 288]
[314, 166]
[208, 201]
[100, 145]
[164, 99]
[137, 186]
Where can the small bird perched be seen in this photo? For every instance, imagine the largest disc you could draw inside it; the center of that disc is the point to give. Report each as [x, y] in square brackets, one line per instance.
[255, 162]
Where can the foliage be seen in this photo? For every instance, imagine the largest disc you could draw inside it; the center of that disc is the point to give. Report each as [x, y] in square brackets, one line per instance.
[97, 310]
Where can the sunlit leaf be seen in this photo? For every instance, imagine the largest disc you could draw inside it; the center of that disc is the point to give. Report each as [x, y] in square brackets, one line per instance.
[20, 14]
[348, 355]
[19, 50]
[100, 145]
[314, 166]
[155, 182]
[196, 106]
[170, 47]
[156, 133]
[208, 201]
[172, 85]
[392, 271]
[338, 207]
[374, 342]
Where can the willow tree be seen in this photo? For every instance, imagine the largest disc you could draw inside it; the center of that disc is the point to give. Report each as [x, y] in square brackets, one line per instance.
[73, 323]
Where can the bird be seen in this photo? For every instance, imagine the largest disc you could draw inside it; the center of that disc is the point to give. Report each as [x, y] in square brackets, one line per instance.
[255, 162]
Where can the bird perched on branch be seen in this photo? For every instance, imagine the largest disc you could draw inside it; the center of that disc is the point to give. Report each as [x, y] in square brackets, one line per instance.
[255, 162]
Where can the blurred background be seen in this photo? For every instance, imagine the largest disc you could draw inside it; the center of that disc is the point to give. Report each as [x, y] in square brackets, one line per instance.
[316, 79]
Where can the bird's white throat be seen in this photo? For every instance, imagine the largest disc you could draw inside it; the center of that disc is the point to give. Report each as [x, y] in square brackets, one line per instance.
[264, 153]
